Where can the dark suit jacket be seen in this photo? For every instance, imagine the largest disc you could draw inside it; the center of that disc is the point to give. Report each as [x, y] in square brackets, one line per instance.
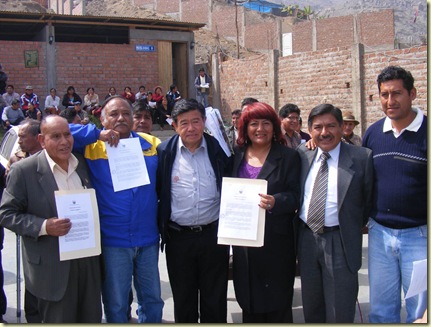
[27, 201]
[355, 185]
[230, 133]
[263, 277]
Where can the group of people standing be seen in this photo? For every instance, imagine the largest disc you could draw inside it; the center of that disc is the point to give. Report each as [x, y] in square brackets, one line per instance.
[342, 187]
[320, 195]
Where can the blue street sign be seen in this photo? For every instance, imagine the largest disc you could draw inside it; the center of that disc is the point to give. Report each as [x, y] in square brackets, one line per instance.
[145, 48]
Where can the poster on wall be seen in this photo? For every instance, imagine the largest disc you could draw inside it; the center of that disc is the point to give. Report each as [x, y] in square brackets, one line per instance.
[31, 58]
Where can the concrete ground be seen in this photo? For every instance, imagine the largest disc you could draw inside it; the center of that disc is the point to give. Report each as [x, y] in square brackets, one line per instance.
[234, 311]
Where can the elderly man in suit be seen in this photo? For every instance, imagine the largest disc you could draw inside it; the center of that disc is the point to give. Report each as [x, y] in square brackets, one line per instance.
[336, 183]
[66, 291]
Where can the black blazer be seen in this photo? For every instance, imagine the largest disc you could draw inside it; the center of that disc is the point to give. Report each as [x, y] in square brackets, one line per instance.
[263, 277]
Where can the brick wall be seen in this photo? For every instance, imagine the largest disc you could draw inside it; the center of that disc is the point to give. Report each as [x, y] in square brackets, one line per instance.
[412, 59]
[334, 32]
[119, 66]
[311, 78]
[302, 38]
[243, 78]
[324, 76]
[375, 30]
[223, 21]
[14, 66]
[259, 31]
[82, 66]
[263, 36]
[195, 11]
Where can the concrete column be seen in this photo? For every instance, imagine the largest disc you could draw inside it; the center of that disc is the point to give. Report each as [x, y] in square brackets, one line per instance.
[357, 85]
[210, 14]
[356, 30]
[314, 35]
[241, 25]
[215, 70]
[273, 56]
[50, 58]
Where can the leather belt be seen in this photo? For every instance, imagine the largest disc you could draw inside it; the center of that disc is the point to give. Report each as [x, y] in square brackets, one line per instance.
[191, 229]
[324, 229]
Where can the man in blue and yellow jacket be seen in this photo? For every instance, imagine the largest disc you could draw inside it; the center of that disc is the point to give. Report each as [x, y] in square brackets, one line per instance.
[128, 218]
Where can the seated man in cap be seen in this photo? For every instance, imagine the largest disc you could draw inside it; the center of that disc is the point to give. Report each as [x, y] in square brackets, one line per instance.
[349, 124]
[29, 97]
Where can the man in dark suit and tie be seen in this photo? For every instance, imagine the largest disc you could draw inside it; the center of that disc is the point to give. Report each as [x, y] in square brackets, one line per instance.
[66, 291]
[336, 184]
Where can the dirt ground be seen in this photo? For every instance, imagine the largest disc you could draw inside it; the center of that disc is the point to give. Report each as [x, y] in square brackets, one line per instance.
[206, 41]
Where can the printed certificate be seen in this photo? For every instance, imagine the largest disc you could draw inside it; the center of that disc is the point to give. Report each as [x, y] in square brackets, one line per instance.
[242, 221]
[83, 239]
[127, 164]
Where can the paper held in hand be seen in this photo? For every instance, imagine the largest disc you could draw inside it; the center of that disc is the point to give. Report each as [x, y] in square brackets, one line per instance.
[127, 164]
[242, 221]
[83, 239]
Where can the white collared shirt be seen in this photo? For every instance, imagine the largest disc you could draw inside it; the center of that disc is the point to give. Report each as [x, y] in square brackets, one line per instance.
[413, 127]
[331, 210]
[195, 199]
[69, 180]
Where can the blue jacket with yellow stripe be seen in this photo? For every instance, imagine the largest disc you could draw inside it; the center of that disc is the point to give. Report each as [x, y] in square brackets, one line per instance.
[128, 218]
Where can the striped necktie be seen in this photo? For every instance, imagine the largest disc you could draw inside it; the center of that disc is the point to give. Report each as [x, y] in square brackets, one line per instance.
[316, 210]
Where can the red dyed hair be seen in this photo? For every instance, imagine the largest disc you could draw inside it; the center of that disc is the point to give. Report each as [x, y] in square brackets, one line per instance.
[259, 110]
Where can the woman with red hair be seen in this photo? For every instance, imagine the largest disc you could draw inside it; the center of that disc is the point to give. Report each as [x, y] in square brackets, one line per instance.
[264, 276]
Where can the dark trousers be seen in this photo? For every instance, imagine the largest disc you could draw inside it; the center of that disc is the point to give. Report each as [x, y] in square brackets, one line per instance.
[3, 301]
[81, 302]
[30, 308]
[198, 274]
[329, 288]
[284, 316]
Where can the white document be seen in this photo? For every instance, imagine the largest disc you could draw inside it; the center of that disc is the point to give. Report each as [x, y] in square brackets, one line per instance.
[418, 282]
[169, 121]
[214, 124]
[83, 239]
[242, 221]
[127, 164]
[205, 85]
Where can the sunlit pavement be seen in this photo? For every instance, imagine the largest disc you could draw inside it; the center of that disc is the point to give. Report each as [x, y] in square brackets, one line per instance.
[234, 311]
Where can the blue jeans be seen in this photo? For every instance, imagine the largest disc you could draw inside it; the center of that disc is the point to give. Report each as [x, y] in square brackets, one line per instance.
[203, 98]
[391, 253]
[120, 265]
